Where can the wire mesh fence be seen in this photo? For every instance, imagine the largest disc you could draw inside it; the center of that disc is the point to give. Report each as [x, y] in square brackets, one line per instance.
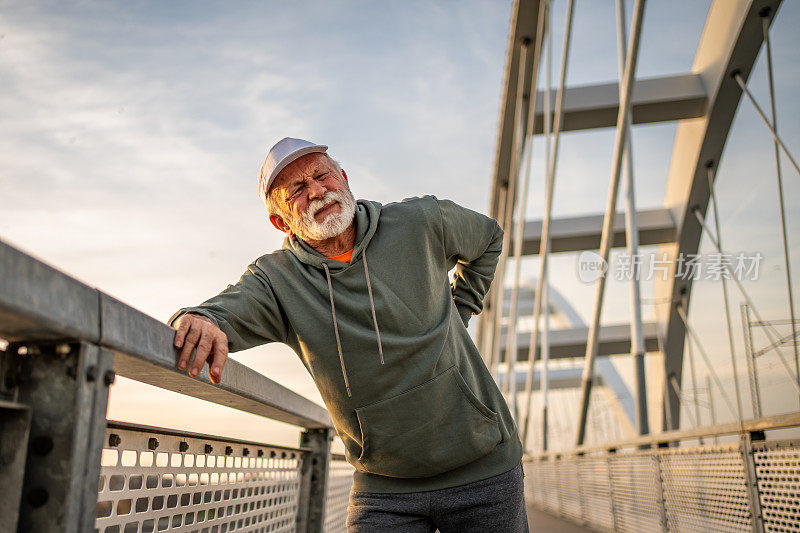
[687, 488]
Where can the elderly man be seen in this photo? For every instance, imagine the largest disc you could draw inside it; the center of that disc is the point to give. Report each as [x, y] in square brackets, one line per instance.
[360, 292]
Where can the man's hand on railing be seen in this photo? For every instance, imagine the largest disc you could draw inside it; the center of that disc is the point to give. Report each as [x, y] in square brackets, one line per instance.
[201, 332]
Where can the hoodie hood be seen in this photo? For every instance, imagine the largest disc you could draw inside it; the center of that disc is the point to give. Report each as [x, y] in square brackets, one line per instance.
[366, 217]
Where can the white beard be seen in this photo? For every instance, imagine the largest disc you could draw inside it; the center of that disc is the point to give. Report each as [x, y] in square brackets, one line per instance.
[306, 226]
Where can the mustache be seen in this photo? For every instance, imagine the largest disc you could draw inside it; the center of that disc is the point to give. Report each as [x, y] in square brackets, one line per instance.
[305, 225]
[321, 203]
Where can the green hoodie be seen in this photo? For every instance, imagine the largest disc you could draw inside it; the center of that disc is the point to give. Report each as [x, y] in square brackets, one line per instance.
[385, 340]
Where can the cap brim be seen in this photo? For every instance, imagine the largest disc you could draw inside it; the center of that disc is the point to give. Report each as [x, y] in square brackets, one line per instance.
[300, 152]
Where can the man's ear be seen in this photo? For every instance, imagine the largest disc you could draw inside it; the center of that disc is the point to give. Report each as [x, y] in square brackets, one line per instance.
[345, 177]
[279, 224]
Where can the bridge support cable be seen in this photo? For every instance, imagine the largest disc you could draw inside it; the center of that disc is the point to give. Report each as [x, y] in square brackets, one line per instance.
[632, 240]
[548, 132]
[752, 371]
[709, 366]
[769, 329]
[508, 192]
[506, 210]
[738, 77]
[543, 247]
[545, 383]
[711, 179]
[508, 207]
[673, 381]
[665, 399]
[765, 30]
[693, 373]
[608, 221]
[489, 340]
[521, 206]
[711, 411]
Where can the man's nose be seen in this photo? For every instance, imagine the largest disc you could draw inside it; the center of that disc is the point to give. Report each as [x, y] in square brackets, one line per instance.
[315, 190]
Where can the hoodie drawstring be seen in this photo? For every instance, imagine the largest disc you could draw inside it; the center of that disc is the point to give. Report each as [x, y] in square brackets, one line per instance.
[336, 329]
[336, 325]
[372, 305]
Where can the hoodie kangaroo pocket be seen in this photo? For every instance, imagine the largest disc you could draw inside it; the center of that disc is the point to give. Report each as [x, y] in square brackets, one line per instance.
[435, 427]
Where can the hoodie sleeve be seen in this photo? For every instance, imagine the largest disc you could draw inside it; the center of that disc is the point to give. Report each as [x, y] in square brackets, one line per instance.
[472, 244]
[247, 312]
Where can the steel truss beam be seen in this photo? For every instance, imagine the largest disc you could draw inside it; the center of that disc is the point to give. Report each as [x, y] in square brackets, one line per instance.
[575, 234]
[613, 340]
[559, 378]
[654, 100]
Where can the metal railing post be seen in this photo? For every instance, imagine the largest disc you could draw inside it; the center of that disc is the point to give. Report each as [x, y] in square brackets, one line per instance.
[314, 480]
[581, 501]
[576, 460]
[15, 421]
[751, 479]
[559, 497]
[661, 497]
[610, 454]
[65, 386]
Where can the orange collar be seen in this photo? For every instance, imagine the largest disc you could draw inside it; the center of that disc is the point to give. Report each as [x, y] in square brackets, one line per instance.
[345, 257]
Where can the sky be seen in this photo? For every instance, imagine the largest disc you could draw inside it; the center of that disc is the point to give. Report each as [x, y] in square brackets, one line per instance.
[133, 133]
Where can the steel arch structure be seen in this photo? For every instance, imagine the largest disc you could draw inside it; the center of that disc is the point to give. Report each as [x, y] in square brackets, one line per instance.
[730, 43]
[703, 102]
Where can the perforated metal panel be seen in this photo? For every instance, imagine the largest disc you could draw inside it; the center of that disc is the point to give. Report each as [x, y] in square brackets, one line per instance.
[636, 492]
[541, 483]
[573, 486]
[778, 473]
[340, 480]
[595, 491]
[152, 482]
[532, 487]
[569, 496]
[705, 489]
[548, 478]
[697, 488]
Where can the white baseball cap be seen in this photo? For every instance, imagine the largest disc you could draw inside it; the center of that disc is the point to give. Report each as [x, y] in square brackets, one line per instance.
[281, 154]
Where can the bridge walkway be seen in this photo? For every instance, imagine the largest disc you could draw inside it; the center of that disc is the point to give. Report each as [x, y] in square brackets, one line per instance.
[542, 522]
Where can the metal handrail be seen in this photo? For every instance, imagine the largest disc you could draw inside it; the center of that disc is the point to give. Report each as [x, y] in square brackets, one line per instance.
[40, 303]
[112, 425]
[766, 423]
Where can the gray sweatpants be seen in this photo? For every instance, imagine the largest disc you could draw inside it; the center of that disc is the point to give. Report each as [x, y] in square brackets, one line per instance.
[493, 504]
